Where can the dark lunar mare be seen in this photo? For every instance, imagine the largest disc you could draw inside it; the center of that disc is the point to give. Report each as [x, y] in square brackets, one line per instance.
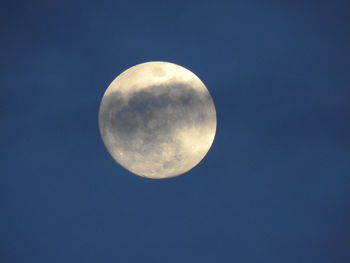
[153, 114]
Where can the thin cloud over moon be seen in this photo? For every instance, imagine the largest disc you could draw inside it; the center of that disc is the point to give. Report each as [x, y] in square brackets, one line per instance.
[157, 120]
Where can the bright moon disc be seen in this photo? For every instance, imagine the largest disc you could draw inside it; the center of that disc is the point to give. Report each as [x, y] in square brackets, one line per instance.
[157, 120]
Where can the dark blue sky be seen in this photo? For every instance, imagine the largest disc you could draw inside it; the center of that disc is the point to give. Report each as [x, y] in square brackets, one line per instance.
[275, 187]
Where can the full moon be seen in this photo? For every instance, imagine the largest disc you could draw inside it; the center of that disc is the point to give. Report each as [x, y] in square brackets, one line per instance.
[157, 120]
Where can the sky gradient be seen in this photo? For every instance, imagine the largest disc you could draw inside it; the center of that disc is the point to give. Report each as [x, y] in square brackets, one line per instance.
[275, 186]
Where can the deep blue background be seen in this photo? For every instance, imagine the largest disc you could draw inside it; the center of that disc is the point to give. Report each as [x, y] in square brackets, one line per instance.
[275, 187]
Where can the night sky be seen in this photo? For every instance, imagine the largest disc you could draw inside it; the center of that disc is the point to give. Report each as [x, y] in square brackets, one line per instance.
[275, 186]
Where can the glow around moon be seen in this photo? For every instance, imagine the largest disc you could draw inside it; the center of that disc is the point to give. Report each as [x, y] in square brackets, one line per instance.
[157, 120]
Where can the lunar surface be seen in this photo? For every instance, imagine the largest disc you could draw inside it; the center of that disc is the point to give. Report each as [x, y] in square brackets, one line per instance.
[157, 120]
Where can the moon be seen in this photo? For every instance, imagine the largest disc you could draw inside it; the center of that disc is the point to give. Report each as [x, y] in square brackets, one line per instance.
[157, 120]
